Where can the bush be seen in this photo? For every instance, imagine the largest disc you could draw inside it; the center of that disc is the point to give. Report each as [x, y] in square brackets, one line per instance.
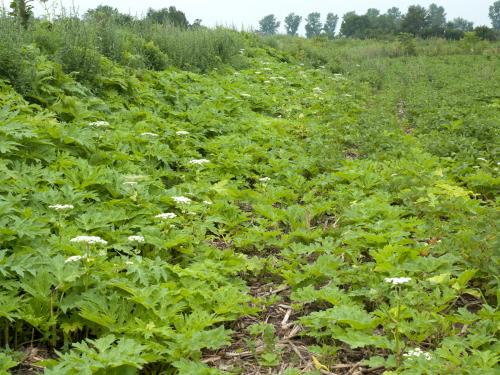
[485, 33]
[454, 34]
[197, 49]
[78, 52]
[11, 41]
[154, 58]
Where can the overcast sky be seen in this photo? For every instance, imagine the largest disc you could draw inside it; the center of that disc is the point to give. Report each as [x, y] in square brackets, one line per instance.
[248, 13]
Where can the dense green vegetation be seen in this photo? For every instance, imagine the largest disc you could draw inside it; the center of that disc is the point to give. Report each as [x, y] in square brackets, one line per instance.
[251, 205]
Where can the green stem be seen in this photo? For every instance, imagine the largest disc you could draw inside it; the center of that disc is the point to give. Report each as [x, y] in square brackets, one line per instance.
[396, 333]
[6, 333]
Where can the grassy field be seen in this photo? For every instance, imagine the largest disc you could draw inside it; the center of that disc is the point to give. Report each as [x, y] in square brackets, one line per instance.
[290, 207]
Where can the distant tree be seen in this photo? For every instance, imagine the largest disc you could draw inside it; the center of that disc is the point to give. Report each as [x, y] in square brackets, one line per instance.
[292, 23]
[196, 23]
[453, 34]
[485, 33]
[331, 25]
[394, 13]
[460, 24]
[415, 21]
[168, 16]
[494, 14]
[355, 26]
[373, 13]
[105, 13]
[313, 25]
[437, 16]
[390, 22]
[269, 25]
[22, 10]
[437, 20]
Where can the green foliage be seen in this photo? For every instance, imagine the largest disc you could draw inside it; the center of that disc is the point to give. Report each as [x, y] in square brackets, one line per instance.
[22, 10]
[323, 166]
[494, 14]
[416, 20]
[313, 25]
[269, 25]
[331, 25]
[168, 16]
[292, 23]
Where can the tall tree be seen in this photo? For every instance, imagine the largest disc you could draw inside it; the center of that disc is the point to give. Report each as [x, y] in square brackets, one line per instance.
[373, 13]
[494, 14]
[105, 13]
[331, 25]
[168, 16]
[391, 21]
[22, 10]
[437, 17]
[394, 13]
[269, 25]
[415, 21]
[292, 23]
[313, 25]
[460, 24]
[355, 26]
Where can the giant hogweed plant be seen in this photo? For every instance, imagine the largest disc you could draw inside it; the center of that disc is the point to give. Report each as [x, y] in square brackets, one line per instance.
[133, 222]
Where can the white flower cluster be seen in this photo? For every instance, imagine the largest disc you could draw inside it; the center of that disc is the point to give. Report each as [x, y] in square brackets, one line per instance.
[264, 179]
[165, 216]
[245, 95]
[60, 207]
[182, 132]
[91, 240]
[181, 199]
[208, 203]
[74, 258]
[199, 161]
[136, 238]
[150, 134]
[397, 280]
[130, 183]
[318, 90]
[99, 124]
[417, 352]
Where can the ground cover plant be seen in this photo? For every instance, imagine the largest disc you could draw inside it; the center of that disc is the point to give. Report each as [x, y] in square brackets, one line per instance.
[298, 211]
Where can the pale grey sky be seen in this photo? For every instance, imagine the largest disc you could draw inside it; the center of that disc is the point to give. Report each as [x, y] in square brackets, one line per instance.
[248, 13]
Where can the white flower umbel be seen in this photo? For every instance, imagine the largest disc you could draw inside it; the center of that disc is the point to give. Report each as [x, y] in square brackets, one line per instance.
[90, 240]
[74, 258]
[181, 199]
[62, 207]
[166, 216]
[136, 238]
[417, 352]
[245, 95]
[264, 179]
[149, 134]
[199, 161]
[208, 203]
[397, 280]
[99, 124]
[182, 132]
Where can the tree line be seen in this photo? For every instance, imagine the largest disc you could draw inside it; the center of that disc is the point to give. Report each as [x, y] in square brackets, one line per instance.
[23, 11]
[418, 21]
